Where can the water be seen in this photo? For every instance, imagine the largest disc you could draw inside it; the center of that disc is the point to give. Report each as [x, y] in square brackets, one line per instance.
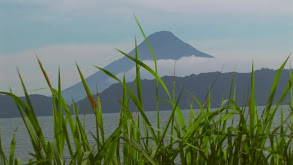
[23, 143]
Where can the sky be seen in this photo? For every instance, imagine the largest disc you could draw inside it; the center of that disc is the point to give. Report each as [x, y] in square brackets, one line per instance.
[62, 32]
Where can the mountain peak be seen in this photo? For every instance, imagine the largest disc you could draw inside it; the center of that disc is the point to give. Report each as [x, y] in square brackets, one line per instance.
[162, 35]
[165, 46]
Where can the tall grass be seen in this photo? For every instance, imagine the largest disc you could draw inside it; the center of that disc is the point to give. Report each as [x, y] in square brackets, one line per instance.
[205, 138]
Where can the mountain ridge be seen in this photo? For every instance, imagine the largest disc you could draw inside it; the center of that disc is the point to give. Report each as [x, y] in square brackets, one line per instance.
[41, 104]
[198, 84]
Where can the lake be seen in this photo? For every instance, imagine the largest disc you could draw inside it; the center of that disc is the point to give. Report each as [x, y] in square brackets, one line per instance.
[23, 143]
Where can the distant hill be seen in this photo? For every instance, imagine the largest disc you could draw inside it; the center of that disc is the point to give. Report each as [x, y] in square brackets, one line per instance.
[197, 85]
[165, 45]
[41, 104]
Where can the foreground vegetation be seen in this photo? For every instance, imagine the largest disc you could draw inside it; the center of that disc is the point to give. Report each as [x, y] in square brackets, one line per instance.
[206, 138]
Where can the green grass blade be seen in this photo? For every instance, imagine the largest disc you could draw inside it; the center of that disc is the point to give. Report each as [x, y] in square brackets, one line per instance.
[275, 83]
[3, 158]
[133, 97]
[99, 122]
[140, 150]
[156, 71]
[109, 142]
[174, 105]
[12, 148]
[56, 154]
[32, 126]
[149, 70]
[252, 109]
[138, 81]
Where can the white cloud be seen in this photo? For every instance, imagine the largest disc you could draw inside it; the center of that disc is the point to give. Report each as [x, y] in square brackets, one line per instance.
[102, 54]
[225, 61]
[52, 57]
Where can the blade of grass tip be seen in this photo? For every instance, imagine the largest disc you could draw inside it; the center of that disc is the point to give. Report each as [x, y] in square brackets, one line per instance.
[275, 83]
[252, 110]
[174, 83]
[100, 116]
[93, 104]
[229, 97]
[44, 72]
[12, 148]
[31, 113]
[88, 92]
[148, 69]
[156, 71]
[138, 81]
[61, 117]
[284, 94]
[196, 100]
[150, 48]
[126, 111]
[234, 98]
[58, 118]
[25, 92]
[59, 94]
[138, 85]
[214, 82]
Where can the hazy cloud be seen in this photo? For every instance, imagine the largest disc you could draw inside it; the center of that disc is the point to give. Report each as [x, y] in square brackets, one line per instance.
[186, 66]
[52, 57]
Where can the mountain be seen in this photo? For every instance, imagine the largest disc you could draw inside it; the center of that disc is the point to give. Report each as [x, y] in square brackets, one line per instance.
[41, 104]
[165, 45]
[198, 85]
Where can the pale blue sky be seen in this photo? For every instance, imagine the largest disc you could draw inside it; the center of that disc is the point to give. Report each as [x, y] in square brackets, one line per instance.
[87, 31]
[27, 25]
